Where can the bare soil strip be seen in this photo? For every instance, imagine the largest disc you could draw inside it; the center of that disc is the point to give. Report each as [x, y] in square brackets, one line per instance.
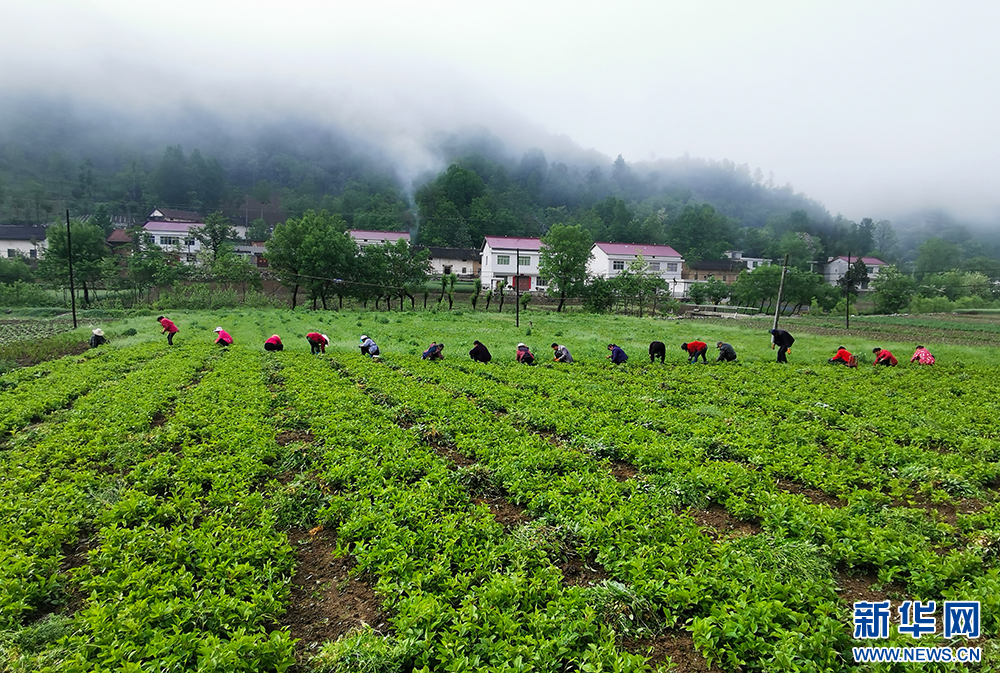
[326, 601]
[675, 646]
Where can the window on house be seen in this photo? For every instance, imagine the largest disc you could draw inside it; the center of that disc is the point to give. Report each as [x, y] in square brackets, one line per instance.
[447, 269]
[463, 269]
[618, 265]
[671, 266]
[503, 260]
[654, 266]
[871, 269]
[11, 253]
[33, 254]
[524, 261]
[542, 282]
[189, 242]
[169, 240]
[150, 239]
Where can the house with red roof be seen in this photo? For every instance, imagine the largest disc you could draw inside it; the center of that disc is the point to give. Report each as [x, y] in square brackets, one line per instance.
[610, 259]
[836, 267]
[174, 231]
[513, 259]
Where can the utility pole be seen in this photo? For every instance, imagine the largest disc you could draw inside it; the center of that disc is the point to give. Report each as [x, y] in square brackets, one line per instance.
[781, 289]
[847, 292]
[517, 289]
[69, 252]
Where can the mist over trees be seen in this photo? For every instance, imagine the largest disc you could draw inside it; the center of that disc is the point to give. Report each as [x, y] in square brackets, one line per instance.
[54, 156]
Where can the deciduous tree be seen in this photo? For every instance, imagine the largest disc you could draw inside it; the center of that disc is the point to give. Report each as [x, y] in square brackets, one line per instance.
[564, 255]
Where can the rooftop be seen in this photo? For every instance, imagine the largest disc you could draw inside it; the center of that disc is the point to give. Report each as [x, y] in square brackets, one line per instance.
[637, 249]
[22, 232]
[513, 243]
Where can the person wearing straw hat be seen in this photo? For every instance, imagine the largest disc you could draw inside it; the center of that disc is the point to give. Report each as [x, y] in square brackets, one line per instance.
[317, 342]
[223, 339]
[274, 343]
[97, 338]
[369, 347]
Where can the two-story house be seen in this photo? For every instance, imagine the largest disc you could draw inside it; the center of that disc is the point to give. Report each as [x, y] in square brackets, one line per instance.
[610, 259]
[836, 267]
[512, 259]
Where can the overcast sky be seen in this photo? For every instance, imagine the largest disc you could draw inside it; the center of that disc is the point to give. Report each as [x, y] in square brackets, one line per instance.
[872, 108]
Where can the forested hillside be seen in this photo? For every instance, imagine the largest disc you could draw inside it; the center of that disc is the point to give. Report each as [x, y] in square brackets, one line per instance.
[55, 156]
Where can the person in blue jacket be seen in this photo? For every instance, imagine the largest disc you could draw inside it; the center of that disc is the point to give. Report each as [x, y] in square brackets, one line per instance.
[617, 355]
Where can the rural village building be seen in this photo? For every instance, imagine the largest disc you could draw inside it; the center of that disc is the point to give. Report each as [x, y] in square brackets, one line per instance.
[512, 259]
[173, 230]
[26, 241]
[725, 270]
[836, 267]
[610, 259]
[463, 262]
[751, 262]
[366, 237]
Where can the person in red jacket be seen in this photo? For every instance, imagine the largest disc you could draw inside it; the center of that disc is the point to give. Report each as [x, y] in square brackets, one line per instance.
[169, 328]
[695, 349]
[842, 357]
[317, 342]
[274, 344]
[883, 357]
[223, 338]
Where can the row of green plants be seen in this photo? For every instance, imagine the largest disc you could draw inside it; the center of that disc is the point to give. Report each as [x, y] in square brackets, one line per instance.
[27, 395]
[189, 572]
[164, 464]
[682, 457]
[910, 433]
[463, 593]
[185, 569]
[752, 603]
[56, 480]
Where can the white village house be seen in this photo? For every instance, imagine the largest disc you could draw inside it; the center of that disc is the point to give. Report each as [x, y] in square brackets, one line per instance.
[508, 258]
[463, 262]
[366, 237]
[27, 241]
[610, 259]
[836, 267]
[173, 230]
[751, 262]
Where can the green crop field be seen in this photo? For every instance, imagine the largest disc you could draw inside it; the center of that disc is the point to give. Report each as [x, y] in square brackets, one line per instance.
[193, 508]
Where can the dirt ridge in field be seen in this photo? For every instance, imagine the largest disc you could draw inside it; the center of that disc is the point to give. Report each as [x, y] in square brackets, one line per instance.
[327, 602]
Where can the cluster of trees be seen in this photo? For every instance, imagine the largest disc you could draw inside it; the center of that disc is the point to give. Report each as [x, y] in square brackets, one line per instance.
[146, 266]
[314, 253]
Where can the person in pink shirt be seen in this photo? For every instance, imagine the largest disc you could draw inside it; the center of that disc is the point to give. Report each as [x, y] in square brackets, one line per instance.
[169, 328]
[922, 356]
[274, 343]
[223, 338]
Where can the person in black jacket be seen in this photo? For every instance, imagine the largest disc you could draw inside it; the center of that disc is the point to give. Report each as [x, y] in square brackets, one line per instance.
[783, 340]
[657, 349]
[726, 352]
[479, 352]
[97, 338]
